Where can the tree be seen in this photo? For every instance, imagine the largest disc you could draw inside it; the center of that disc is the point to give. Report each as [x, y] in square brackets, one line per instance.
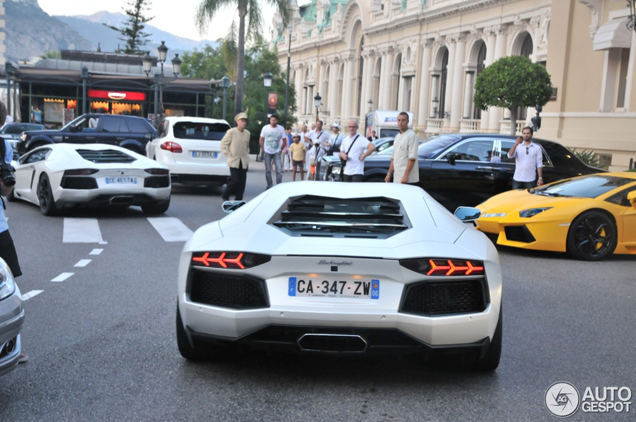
[52, 54]
[250, 13]
[513, 82]
[133, 31]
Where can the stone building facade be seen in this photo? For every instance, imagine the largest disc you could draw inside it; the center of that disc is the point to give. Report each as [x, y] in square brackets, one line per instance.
[424, 56]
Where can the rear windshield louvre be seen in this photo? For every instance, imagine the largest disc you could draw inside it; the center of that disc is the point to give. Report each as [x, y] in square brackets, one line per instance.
[320, 216]
[105, 156]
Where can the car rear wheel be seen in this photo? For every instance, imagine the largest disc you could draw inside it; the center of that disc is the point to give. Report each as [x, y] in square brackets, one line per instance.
[490, 361]
[158, 207]
[185, 348]
[45, 196]
[592, 236]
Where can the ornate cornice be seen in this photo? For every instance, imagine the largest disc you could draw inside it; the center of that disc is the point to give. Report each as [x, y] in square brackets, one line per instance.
[596, 7]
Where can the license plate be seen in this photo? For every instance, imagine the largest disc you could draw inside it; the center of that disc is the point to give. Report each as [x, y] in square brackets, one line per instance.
[317, 287]
[204, 154]
[121, 180]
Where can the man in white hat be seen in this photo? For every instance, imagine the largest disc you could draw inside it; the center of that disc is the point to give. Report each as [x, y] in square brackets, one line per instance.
[236, 147]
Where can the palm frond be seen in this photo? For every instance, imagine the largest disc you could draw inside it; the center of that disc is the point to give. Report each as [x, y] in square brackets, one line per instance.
[206, 11]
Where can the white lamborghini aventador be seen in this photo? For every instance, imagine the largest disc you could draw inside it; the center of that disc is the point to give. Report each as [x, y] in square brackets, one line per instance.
[341, 268]
[65, 175]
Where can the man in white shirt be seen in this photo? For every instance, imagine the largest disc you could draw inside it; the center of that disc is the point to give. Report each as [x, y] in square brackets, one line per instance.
[353, 151]
[272, 139]
[528, 162]
[404, 166]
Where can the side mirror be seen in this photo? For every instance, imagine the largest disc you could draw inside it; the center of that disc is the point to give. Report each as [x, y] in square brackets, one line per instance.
[467, 214]
[148, 136]
[231, 206]
[451, 158]
[631, 197]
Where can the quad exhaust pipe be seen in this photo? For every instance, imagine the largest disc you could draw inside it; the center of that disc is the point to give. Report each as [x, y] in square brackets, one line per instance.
[335, 343]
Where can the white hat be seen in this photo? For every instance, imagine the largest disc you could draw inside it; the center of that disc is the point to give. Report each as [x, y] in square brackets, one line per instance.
[336, 125]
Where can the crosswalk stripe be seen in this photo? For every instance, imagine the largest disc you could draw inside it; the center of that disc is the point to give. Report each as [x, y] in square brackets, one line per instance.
[83, 262]
[62, 277]
[171, 229]
[82, 230]
[96, 251]
[31, 294]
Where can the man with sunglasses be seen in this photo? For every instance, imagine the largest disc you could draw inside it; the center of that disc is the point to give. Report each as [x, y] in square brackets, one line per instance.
[528, 162]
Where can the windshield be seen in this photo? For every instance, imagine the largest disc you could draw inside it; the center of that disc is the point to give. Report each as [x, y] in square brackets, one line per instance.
[583, 187]
[388, 133]
[435, 144]
[202, 131]
[17, 129]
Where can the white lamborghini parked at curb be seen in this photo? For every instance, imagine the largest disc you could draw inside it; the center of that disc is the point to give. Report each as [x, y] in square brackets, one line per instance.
[346, 269]
[66, 175]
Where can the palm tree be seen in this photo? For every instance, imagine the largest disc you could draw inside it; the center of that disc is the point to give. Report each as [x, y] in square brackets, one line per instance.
[247, 9]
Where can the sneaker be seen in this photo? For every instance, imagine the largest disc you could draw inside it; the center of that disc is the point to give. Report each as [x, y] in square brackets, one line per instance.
[23, 358]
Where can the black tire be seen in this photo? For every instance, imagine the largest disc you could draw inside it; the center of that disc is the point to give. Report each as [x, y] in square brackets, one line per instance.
[490, 361]
[45, 196]
[592, 236]
[158, 207]
[185, 348]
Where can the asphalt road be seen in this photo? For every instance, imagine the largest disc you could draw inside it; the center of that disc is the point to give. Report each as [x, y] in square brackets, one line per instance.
[102, 342]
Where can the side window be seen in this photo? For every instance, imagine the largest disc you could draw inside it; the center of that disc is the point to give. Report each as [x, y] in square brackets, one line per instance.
[620, 198]
[36, 156]
[474, 150]
[111, 124]
[163, 129]
[137, 125]
[505, 148]
[123, 126]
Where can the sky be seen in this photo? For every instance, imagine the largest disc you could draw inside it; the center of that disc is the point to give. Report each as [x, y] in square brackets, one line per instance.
[174, 16]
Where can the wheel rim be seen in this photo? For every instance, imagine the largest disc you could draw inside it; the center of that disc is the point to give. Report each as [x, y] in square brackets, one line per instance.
[43, 194]
[594, 236]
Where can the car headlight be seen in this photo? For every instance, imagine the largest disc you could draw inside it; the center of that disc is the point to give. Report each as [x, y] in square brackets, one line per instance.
[7, 284]
[23, 136]
[531, 212]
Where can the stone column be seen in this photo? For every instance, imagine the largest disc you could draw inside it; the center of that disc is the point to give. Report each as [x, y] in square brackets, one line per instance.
[386, 79]
[298, 84]
[367, 83]
[458, 77]
[494, 114]
[434, 94]
[448, 98]
[347, 98]
[490, 58]
[425, 81]
[468, 94]
[333, 86]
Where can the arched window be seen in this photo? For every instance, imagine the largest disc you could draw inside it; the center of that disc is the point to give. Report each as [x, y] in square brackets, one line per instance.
[526, 47]
[481, 65]
[442, 85]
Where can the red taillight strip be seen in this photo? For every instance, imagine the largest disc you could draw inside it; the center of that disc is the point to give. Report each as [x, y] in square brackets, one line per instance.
[451, 268]
[236, 261]
[221, 260]
[471, 268]
[435, 267]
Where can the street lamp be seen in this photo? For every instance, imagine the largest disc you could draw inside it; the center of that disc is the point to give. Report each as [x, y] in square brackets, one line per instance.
[212, 95]
[162, 51]
[176, 65]
[225, 84]
[147, 62]
[267, 81]
[631, 20]
[290, 27]
[370, 104]
[318, 104]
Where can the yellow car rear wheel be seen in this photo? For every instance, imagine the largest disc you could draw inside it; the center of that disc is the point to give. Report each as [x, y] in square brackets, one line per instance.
[592, 236]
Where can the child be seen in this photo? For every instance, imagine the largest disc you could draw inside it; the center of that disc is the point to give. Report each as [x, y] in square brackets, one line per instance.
[297, 151]
[311, 156]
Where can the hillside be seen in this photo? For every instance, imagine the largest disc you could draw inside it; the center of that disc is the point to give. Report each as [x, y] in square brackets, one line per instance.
[92, 29]
[30, 32]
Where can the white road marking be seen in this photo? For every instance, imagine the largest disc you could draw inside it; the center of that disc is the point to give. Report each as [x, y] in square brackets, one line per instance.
[62, 277]
[31, 294]
[82, 230]
[171, 229]
[96, 251]
[83, 262]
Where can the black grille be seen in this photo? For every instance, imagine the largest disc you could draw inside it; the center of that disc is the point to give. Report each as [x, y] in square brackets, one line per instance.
[226, 291]
[519, 234]
[157, 182]
[448, 297]
[77, 182]
[105, 156]
[330, 216]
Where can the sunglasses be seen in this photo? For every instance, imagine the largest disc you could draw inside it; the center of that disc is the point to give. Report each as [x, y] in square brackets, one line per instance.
[527, 150]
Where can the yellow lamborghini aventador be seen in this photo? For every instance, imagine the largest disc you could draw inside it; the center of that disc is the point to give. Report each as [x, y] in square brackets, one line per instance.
[590, 217]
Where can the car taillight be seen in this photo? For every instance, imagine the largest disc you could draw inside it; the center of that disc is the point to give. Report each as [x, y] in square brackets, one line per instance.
[172, 147]
[80, 172]
[157, 171]
[229, 260]
[443, 267]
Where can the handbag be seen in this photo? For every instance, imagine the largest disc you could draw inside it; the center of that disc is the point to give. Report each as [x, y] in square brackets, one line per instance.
[343, 163]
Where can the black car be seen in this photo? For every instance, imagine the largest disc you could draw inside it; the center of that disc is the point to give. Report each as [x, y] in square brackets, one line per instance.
[467, 169]
[129, 132]
[11, 131]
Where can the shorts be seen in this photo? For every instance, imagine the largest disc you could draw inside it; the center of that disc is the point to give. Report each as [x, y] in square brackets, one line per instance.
[313, 170]
[297, 164]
